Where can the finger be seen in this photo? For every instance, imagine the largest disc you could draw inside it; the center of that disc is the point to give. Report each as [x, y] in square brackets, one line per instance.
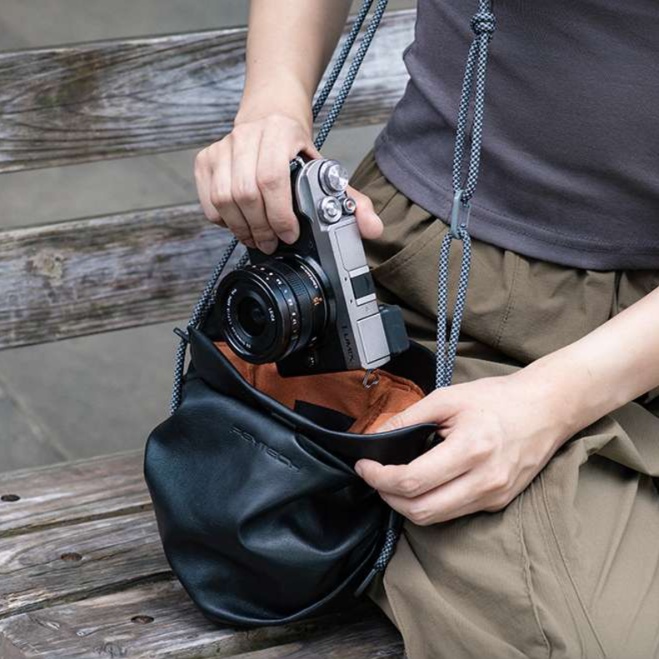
[221, 197]
[436, 407]
[244, 190]
[273, 178]
[202, 175]
[438, 466]
[310, 150]
[370, 225]
[461, 496]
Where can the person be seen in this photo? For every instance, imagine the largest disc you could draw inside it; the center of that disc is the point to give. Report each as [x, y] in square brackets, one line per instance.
[532, 529]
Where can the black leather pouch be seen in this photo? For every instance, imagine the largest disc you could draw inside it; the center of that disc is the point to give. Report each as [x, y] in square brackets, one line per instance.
[261, 514]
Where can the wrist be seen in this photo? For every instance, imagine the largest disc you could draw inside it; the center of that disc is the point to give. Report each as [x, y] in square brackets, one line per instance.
[560, 397]
[281, 96]
[577, 393]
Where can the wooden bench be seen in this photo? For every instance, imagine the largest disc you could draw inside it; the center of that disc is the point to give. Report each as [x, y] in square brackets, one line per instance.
[82, 573]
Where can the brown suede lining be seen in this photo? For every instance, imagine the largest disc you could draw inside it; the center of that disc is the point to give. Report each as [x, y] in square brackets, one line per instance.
[342, 391]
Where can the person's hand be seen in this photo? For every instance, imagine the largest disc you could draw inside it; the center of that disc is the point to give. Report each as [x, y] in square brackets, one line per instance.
[498, 432]
[243, 182]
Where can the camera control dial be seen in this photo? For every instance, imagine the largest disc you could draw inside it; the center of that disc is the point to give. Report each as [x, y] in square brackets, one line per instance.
[330, 210]
[333, 177]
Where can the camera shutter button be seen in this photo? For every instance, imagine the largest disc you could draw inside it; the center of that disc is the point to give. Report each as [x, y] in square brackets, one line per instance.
[330, 209]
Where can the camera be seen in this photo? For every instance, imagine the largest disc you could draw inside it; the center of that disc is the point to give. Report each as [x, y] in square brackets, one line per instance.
[311, 306]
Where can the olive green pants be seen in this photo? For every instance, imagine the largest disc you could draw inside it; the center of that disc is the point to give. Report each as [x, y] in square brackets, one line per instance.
[570, 568]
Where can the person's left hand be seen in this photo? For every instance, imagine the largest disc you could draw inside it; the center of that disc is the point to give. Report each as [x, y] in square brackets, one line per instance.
[499, 432]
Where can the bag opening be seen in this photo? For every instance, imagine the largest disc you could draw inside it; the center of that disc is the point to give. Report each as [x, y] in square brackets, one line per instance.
[338, 400]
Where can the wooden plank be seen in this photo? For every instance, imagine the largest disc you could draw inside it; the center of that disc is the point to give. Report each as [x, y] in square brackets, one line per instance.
[158, 621]
[86, 276]
[66, 563]
[361, 639]
[61, 495]
[119, 98]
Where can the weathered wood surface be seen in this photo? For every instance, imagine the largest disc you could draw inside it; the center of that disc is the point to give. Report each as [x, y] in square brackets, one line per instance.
[61, 495]
[98, 585]
[85, 276]
[119, 98]
[158, 621]
[60, 563]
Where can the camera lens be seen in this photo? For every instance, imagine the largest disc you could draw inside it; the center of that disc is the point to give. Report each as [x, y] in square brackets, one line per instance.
[271, 309]
[252, 316]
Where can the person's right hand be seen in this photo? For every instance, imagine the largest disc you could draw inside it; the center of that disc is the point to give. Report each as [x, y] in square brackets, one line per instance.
[243, 182]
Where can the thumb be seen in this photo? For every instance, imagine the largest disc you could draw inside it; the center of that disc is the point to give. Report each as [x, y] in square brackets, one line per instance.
[370, 225]
[434, 408]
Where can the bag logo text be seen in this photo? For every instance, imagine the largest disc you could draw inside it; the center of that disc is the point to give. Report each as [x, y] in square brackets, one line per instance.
[264, 448]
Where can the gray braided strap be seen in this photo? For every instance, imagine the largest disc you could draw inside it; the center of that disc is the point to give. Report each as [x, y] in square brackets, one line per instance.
[356, 62]
[320, 99]
[390, 539]
[483, 24]
[447, 349]
[198, 316]
[391, 535]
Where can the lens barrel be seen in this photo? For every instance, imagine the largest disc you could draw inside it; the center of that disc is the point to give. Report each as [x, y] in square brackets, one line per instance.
[271, 309]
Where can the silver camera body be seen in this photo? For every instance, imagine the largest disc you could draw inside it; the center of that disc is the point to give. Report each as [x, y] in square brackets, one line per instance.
[320, 192]
[312, 302]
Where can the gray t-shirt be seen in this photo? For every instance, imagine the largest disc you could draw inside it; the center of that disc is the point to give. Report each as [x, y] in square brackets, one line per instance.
[570, 163]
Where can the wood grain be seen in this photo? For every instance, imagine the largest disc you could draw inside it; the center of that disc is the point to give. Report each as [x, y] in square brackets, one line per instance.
[158, 621]
[361, 639]
[120, 98]
[86, 276]
[73, 562]
[61, 495]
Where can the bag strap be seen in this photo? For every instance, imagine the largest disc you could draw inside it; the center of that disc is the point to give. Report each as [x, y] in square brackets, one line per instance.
[483, 23]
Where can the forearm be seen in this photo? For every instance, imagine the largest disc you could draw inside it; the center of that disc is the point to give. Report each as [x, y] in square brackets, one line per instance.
[288, 47]
[607, 368]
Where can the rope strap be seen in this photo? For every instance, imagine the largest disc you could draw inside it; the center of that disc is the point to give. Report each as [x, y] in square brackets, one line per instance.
[483, 24]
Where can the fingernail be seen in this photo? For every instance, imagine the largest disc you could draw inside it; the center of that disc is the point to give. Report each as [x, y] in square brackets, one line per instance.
[268, 246]
[359, 471]
[288, 237]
